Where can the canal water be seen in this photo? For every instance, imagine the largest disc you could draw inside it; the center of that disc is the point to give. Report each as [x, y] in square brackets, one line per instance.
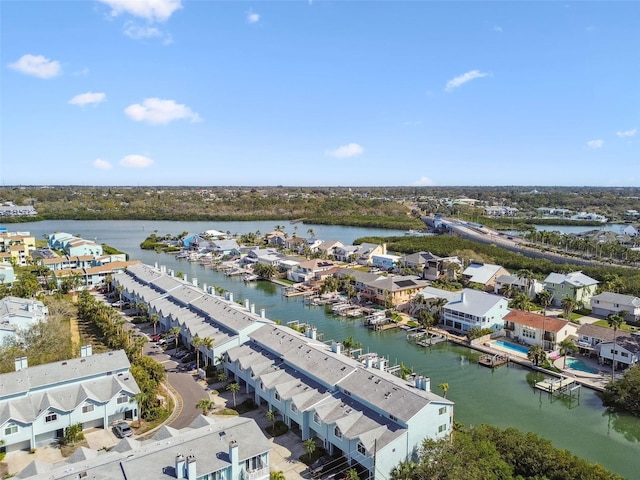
[503, 397]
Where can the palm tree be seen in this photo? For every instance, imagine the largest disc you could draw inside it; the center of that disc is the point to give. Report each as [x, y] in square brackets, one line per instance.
[527, 276]
[311, 233]
[155, 319]
[207, 343]
[545, 297]
[615, 321]
[277, 475]
[196, 342]
[234, 388]
[309, 448]
[205, 404]
[272, 417]
[350, 344]
[352, 474]
[439, 304]
[404, 470]
[566, 346]
[568, 305]
[221, 376]
[445, 389]
[175, 333]
[141, 399]
[521, 301]
[536, 354]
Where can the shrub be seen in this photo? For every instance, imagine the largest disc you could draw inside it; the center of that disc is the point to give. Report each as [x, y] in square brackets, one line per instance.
[279, 428]
[246, 406]
[227, 411]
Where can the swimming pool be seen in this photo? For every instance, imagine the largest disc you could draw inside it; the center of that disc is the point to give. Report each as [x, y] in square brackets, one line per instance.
[577, 364]
[514, 347]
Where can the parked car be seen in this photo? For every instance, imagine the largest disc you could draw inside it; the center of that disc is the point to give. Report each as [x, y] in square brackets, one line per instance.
[316, 467]
[162, 341]
[156, 338]
[122, 429]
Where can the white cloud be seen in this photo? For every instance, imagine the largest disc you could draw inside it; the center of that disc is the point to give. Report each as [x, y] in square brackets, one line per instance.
[152, 10]
[464, 78]
[101, 164]
[252, 17]
[88, 98]
[424, 182]
[136, 161]
[345, 151]
[37, 66]
[160, 112]
[136, 32]
[627, 133]
[595, 143]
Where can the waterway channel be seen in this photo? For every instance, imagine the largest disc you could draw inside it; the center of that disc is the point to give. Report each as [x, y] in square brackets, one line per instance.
[502, 397]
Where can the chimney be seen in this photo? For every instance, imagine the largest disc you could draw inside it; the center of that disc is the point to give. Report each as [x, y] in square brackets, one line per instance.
[263, 313]
[462, 297]
[179, 466]
[312, 333]
[234, 459]
[204, 287]
[381, 363]
[184, 277]
[156, 265]
[194, 281]
[426, 384]
[230, 296]
[163, 269]
[252, 308]
[336, 347]
[368, 362]
[21, 363]
[246, 303]
[384, 249]
[86, 351]
[191, 467]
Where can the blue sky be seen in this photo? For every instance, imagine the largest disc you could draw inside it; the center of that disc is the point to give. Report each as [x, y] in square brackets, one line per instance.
[362, 93]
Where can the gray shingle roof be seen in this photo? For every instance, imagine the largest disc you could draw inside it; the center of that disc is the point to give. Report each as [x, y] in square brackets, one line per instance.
[619, 298]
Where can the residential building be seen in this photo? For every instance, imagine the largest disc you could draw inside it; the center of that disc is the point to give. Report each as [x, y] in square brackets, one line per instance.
[37, 403]
[392, 291]
[354, 408]
[432, 266]
[9, 209]
[19, 314]
[309, 270]
[595, 340]
[531, 287]
[16, 247]
[483, 274]
[366, 252]
[534, 329]
[74, 246]
[473, 308]
[328, 248]
[607, 303]
[576, 286]
[233, 448]
[90, 276]
[385, 262]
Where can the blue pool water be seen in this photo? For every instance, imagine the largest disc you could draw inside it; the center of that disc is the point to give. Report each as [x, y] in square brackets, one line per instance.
[512, 346]
[580, 365]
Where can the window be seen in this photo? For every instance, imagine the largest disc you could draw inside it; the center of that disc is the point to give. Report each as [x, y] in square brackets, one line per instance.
[123, 398]
[361, 449]
[89, 407]
[261, 386]
[276, 396]
[442, 428]
[10, 429]
[294, 409]
[337, 432]
[316, 418]
[624, 354]
[393, 417]
[442, 410]
[51, 417]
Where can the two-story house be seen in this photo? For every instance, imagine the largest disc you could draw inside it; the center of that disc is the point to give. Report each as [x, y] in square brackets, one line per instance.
[483, 275]
[607, 303]
[393, 291]
[473, 308]
[20, 314]
[575, 285]
[534, 329]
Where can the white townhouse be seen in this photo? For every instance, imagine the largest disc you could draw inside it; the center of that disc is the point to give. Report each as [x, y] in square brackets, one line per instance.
[197, 311]
[355, 408]
[606, 303]
[208, 449]
[38, 403]
[575, 285]
[20, 314]
[473, 308]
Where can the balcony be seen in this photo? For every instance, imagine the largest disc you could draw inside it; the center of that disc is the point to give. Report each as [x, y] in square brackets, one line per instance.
[256, 474]
[509, 326]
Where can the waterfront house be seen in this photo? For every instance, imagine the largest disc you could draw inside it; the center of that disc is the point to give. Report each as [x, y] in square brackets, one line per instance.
[329, 247]
[392, 291]
[346, 253]
[309, 270]
[366, 252]
[518, 284]
[575, 285]
[432, 266]
[89, 277]
[355, 409]
[473, 308]
[38, 403]
[225, 248]
[232, 448]
[385, 262]
[266, 256]
[607, 303]
[534, 329]
[20, 314]
[74, 246]
[358, 278]
[483, 275]
[595, 340]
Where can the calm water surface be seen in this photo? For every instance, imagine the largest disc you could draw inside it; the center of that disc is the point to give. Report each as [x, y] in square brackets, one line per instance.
[502, 397]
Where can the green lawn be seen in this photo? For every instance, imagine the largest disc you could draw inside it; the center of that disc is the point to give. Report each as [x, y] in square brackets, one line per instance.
[624, 328]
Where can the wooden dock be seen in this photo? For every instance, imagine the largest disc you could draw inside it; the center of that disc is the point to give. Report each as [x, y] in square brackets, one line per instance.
[492, 361]
[556, 385]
